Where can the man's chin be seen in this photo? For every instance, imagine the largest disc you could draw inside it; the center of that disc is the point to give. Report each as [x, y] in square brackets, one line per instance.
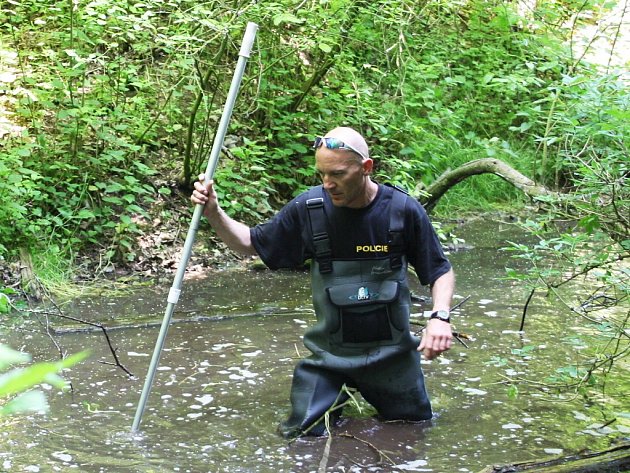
[337, 201]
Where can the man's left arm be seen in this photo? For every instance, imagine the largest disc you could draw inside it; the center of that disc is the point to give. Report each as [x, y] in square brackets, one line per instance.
[438, 335]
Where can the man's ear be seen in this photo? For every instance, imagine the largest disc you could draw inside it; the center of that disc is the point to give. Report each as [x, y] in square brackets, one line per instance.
[367, 166]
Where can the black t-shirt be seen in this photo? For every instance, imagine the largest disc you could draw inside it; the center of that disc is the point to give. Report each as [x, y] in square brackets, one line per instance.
[285, 240]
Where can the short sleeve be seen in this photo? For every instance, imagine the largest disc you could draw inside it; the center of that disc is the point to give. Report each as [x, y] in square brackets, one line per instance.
[280, 242]
[424, 249]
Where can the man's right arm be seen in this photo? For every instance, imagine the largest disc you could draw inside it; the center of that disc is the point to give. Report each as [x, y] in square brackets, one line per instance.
[235, 235]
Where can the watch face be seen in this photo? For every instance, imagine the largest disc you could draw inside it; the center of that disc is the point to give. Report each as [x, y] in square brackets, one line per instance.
[442, 314]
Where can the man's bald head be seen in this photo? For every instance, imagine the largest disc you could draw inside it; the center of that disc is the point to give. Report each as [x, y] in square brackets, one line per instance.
[351, 137]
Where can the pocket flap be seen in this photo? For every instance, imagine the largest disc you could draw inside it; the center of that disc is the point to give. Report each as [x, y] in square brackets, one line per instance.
[379, 292]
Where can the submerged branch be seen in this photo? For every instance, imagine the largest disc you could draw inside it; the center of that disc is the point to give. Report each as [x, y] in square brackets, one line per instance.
[616, 458]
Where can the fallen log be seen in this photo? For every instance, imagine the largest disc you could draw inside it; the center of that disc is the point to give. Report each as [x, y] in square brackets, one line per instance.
[497, 167]
[615, 459]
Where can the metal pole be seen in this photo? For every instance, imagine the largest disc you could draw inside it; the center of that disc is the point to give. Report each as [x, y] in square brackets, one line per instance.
[175, 291]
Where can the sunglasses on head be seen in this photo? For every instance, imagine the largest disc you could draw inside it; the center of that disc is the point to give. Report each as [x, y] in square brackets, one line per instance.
[335, 143]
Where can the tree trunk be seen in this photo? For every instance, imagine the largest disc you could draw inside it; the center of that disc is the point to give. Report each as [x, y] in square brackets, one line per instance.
[28, 281]
[612, 460]
[481, 166]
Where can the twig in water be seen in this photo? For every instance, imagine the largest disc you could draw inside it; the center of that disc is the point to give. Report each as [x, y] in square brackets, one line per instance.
[458, 335]
[381, 455]
[61, 315]
[460, 303]
[458, 338]
[529, 298]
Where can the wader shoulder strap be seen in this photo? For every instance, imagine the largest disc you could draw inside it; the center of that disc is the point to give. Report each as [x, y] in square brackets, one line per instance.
[397, 226]
[319, 230]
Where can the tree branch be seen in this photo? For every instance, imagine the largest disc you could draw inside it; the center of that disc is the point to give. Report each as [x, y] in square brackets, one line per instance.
[497, 167]
[59, 313]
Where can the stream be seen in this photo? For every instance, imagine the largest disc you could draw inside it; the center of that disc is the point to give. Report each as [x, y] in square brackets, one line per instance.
[223, 381]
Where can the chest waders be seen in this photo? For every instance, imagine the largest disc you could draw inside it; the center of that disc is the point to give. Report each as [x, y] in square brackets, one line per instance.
[362, 337]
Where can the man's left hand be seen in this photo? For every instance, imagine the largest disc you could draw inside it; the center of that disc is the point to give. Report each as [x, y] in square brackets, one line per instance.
[436, 339]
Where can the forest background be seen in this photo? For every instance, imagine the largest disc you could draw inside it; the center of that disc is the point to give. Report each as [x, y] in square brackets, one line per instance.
[108, 111]
[109, 108]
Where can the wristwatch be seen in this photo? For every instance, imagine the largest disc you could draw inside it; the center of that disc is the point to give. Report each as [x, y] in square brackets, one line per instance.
[442, 315]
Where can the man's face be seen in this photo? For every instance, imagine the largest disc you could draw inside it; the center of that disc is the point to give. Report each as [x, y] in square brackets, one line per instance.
[344, 176]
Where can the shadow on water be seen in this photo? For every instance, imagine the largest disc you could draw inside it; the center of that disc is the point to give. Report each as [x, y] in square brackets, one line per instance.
[223, 384]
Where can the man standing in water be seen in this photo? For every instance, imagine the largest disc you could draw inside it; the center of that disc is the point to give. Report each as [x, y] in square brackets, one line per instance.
[361, 236]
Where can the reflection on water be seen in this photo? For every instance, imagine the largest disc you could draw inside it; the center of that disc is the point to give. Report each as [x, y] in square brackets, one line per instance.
[222, 385]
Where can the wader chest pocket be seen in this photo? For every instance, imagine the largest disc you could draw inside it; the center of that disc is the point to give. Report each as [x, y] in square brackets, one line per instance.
[364, 310]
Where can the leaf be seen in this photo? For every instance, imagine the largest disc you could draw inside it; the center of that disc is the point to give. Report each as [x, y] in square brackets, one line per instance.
[525, 351]
[512, 392]
[85, 214]
[9, 356]
[30, 401]
[113, 187]
[18, 380]
[324, 47]
[299, 147]
[113, 200]
[68, 112]
[4, 309]
[286, 18]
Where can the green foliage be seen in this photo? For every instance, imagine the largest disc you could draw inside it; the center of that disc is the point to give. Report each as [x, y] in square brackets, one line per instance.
[77, 174]
[581, 248]
[432, 87]
[245, 182]
[9, 300]
[580, 126]
[348, 400]
[590, 158]
[16, 396]
[5, 302]
[118, 101]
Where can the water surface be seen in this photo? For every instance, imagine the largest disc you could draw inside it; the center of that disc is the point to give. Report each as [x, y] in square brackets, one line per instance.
[224, 378]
